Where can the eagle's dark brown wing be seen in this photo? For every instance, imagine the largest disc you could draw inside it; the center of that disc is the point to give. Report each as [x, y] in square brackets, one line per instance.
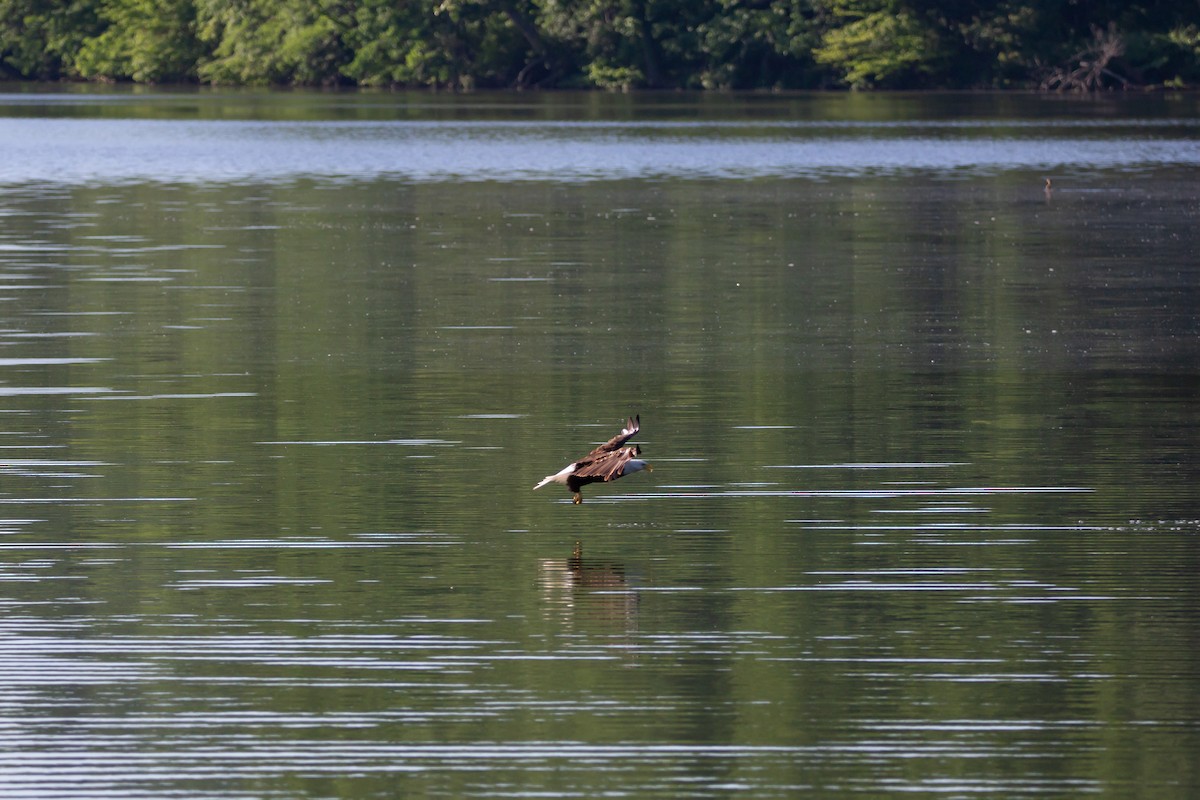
[604, 466]
[632, 426]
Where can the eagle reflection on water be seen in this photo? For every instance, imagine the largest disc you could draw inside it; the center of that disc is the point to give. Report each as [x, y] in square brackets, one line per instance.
[581, 590]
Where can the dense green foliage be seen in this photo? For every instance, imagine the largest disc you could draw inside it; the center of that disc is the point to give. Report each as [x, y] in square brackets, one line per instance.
[615, 44]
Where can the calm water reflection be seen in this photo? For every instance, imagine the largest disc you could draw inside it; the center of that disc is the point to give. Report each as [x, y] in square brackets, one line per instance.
[923, 519]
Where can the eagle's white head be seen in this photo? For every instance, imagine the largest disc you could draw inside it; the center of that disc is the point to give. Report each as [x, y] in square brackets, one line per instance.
[636, 465]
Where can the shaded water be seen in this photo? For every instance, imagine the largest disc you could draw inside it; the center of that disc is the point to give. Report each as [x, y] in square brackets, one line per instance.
[923, 519]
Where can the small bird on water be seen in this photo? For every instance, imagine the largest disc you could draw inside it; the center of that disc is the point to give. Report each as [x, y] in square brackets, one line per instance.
[607, 462]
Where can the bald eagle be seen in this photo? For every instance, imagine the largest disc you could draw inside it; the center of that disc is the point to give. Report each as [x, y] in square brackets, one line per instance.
[607, 462]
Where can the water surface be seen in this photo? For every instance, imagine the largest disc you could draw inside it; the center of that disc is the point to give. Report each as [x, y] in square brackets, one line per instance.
[278, 372]
[238, 136]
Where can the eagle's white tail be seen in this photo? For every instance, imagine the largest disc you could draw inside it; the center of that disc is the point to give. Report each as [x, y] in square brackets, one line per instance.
[558, 477]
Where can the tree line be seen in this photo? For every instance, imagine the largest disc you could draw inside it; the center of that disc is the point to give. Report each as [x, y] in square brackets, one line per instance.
[1075, 45]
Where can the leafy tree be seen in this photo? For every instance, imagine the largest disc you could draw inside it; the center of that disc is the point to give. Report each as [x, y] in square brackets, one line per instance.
[386, 39]
[488, 46]
[1175, 54]
[876, 43]
[758, 45]
[266, 41]
[611, 44]
[615, 42]
[143, 40]
[40, 40]
[456, 44]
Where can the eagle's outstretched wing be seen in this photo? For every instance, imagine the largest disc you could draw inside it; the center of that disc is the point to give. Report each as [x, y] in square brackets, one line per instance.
[632, 426]
[608, 460]
[605, 466]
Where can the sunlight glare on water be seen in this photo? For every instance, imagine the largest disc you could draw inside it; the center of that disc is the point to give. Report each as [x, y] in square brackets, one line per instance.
[175, 151]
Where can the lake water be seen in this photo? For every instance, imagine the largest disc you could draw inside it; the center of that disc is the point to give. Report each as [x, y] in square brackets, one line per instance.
[278, 370]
